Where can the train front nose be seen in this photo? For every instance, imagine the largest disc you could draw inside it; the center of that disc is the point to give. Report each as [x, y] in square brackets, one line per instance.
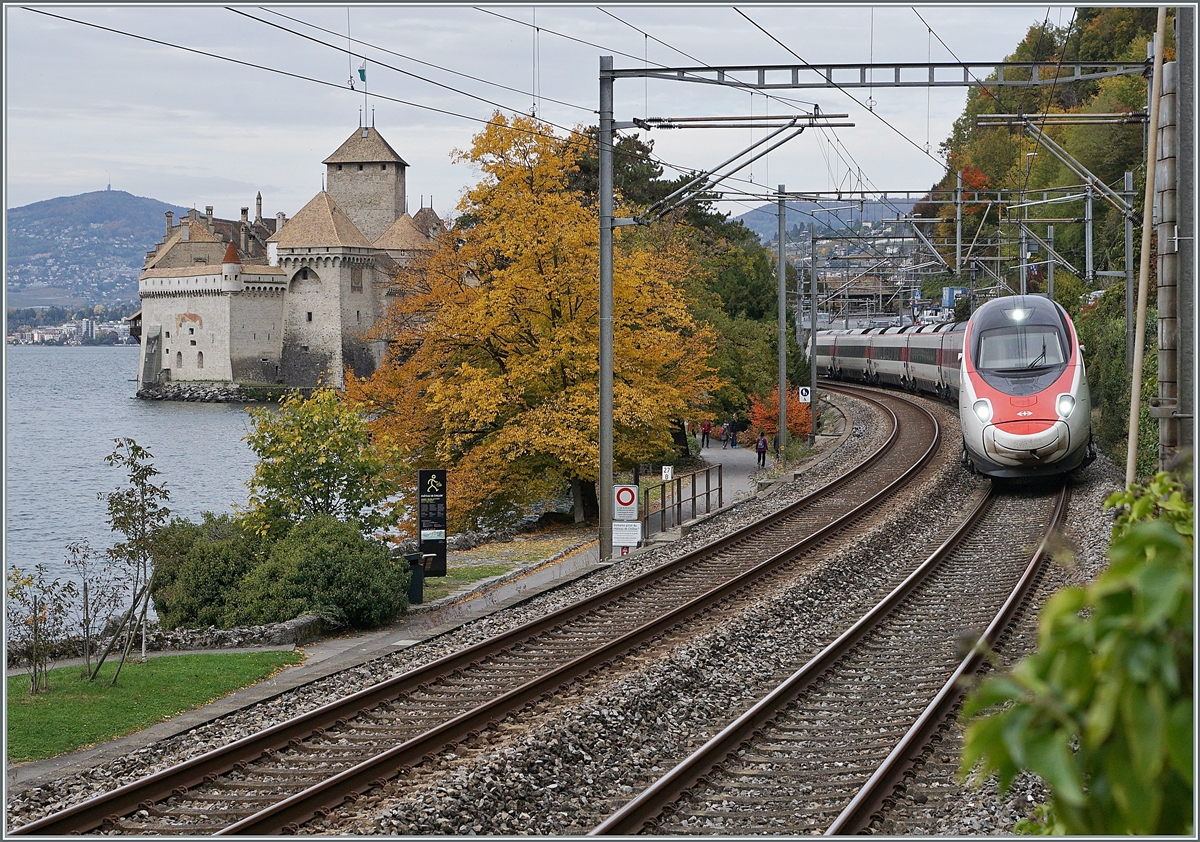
[1027, 442]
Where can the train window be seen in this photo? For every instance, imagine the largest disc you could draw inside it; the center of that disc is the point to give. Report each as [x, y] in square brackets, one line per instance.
[922, 356]
[1034, 346]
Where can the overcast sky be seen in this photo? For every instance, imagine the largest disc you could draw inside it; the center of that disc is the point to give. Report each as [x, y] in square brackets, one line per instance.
[85, 106]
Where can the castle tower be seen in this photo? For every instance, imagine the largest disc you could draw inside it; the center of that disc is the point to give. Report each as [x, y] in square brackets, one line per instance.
[365, 177]
[231, 271]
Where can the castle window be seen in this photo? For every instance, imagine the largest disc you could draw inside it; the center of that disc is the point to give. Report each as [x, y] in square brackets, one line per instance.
[191, 330]
[199, 359]
[304, 274]
[339, 167]
[179, 359]
[309, 317]
[193, 341]
[168, 334]
[360, 167]
[383, 166]
[357, 316]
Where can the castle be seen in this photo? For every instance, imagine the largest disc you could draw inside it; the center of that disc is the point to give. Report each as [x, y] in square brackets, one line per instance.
[282, 301]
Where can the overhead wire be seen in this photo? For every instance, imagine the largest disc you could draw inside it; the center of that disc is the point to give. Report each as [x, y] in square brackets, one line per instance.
[415, 60]
[855, 99]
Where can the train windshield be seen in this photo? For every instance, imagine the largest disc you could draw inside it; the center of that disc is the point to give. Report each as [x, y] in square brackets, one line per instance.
[1020, 348]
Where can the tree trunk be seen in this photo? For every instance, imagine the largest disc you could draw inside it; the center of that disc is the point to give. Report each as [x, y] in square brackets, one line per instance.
[679, 437]
[586, 501]
[577, 500]
[116, 636]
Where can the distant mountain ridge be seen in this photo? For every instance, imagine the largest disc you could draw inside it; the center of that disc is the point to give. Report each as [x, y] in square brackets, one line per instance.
[764, 220]
[88, 248]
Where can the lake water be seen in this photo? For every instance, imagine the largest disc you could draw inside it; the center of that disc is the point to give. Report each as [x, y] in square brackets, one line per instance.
[63, 407]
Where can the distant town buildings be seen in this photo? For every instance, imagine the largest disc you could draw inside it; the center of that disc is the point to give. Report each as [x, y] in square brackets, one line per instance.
[278, 300]
[69, 333]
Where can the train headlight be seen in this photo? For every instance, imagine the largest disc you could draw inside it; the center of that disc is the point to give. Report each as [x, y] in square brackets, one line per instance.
[983, 410]
[1065, 405]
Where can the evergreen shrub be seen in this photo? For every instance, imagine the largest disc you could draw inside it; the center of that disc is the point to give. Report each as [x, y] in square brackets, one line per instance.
[199, 569]
[326, 567]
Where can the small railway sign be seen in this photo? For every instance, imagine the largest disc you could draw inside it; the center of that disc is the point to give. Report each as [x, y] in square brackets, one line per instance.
[805, 394]
[625, 502]
[626, 534]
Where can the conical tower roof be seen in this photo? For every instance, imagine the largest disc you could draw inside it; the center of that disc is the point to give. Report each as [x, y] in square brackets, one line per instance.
[403, 234]
[320, 223]
[365, 146]
[231, 255]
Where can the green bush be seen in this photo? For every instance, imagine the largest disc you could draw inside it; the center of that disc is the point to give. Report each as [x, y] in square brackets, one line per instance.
[199, 568]
[1102, 711]
[324, 566]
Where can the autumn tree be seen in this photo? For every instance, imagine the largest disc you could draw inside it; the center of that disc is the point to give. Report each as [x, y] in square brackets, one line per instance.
[492, 369]
[764, 415]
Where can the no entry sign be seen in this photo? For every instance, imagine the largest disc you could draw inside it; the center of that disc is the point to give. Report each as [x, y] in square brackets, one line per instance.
[625, 502]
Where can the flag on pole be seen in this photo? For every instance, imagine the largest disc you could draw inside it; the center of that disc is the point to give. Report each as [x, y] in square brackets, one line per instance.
[362, 70]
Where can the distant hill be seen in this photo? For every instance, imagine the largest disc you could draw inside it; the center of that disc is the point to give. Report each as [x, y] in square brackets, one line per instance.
[764, 220]
[85, 249]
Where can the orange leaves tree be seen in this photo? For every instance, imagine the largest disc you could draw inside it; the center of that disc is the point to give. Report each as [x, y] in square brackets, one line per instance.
[493, 367]
[764, 416]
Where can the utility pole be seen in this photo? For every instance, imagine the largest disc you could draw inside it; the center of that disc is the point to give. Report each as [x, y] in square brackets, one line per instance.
[606, 307]
[958, 225]
[812, 336]
[1050, 261]
[782, 322]
[1089, 269]
[1129, 275]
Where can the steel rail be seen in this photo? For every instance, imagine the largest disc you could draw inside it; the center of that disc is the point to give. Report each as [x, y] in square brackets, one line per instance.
[857, 814]
[178, 779]
[327, 795]
[635, 815]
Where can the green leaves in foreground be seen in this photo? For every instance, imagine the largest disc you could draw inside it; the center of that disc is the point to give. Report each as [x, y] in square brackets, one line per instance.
[1102, 711]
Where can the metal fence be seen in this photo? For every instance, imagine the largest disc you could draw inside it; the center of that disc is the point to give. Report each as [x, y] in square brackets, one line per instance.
[664, 504]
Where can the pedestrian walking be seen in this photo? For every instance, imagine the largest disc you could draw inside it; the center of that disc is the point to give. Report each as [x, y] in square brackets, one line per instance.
[760, 447]
[724, 436]
[705, 429]
[733, 431]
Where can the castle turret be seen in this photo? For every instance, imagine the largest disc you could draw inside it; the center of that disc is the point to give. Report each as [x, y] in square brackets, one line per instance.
[231, 271]
[365, 177]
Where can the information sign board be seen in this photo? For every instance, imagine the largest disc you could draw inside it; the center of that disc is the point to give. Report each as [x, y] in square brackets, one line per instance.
[805, 394]
[625, 502]
[626, 534]
[431, 519]
[668, 473]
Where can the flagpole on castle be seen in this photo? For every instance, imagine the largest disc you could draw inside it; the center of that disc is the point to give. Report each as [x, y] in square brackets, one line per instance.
[362, 75]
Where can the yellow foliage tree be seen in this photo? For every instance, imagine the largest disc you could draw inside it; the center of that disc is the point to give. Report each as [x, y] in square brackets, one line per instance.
[493, 365]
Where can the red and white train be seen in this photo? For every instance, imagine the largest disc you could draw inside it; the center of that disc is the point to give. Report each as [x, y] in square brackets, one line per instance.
[1015, 370]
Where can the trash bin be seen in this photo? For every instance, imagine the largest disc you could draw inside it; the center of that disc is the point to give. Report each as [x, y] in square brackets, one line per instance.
[416, 584]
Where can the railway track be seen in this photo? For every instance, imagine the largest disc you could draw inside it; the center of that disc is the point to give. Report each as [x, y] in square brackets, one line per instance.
[823, 750]
[276, 780]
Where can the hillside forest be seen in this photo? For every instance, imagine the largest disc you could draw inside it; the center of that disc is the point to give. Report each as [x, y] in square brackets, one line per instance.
[1002, 158]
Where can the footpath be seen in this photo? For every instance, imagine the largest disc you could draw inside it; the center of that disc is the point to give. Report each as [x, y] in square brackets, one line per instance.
[741, 479]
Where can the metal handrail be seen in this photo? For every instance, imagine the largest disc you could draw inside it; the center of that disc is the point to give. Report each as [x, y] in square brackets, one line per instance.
[671, 497]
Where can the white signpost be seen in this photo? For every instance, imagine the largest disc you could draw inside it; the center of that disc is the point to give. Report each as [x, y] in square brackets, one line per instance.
[668, 472]
[625, 502]
[626, 533]
[805, 394]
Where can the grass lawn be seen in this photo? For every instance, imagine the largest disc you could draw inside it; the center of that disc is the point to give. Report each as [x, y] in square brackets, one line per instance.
[437, 587]
[76, 713]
